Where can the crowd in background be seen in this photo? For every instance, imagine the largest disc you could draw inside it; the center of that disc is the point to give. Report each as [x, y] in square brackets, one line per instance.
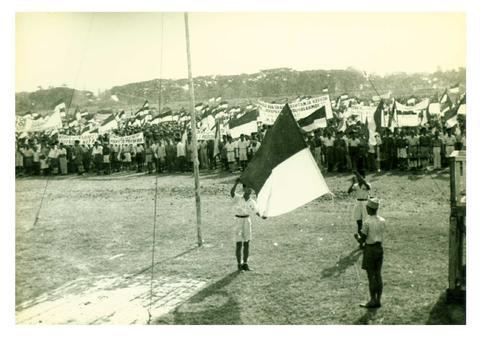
[166, 151]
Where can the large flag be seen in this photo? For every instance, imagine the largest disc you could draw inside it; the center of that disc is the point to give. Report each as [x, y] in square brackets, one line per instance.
[246, 124]
[283, 172]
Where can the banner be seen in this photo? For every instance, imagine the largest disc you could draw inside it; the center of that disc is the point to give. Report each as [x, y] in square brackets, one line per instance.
[270, 111]
[206, 135]
[127, 140]
[87, 139]
[408, 120]
[423, 105]
[27, 124]
[363, 112]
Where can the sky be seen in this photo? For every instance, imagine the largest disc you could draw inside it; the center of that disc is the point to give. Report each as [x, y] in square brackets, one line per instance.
[95, 51]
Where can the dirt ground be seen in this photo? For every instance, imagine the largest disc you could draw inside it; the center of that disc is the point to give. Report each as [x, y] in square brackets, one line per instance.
[306, 263]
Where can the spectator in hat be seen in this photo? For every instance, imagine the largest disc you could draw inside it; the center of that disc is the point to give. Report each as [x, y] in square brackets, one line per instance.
[373, 234]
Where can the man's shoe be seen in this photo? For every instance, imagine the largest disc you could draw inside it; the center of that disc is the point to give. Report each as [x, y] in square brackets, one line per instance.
[245, 267]
[240, 267]
[369, 305]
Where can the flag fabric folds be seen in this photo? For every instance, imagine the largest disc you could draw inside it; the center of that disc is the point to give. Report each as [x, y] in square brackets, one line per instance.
[246, 124]
[283, 172]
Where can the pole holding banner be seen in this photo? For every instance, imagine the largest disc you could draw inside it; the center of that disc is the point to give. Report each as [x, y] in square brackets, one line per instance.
[194, 136]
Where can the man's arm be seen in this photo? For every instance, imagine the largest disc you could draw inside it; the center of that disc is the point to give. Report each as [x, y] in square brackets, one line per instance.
[362, 181]
[350, 189]
[232, 192]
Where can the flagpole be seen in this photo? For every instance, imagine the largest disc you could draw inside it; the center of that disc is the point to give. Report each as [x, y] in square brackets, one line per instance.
[194, 135]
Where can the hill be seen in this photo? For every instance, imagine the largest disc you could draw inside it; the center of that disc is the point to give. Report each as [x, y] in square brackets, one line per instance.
[267, 84]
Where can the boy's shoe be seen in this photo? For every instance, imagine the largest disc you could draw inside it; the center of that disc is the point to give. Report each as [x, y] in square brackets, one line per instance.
[245, 267]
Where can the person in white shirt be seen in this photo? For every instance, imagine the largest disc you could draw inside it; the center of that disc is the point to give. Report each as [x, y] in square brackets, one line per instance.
[230, 148]
[181, 152]
[243, 145]
[362, 190]
[373, 235]
[97, 154]
[243, 204]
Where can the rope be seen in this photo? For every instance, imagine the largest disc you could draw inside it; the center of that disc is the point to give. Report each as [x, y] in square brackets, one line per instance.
[41, 201]
[153, 251]
[81, 60]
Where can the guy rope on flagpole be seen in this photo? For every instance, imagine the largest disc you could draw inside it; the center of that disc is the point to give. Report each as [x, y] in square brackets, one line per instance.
[41, 202]
[153, 251]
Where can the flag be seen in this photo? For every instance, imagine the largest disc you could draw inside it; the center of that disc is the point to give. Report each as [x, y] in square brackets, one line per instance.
[144, 110]
[445, 103]
[462, 106]
[246, 124]
[454, 89]
[378, 116]
[216, 143]
[283, 172]
[433, 108]
[451, 116]
[108, 124]
[61, 108]
[316, 120]
[325, 89]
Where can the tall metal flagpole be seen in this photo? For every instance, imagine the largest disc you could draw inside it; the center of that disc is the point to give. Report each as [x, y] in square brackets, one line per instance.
[194, 135]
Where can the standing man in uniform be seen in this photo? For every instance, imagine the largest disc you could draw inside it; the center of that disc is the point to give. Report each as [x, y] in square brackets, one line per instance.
[372, 234]
[243, 205]
[362, 189]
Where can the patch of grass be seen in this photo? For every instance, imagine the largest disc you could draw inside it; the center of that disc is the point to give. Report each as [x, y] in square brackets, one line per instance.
[306, 263]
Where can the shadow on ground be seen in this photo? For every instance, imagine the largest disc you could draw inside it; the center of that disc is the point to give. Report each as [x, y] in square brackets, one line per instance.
[212, 305]
[342, 265]
[368, 317]
[444, 313]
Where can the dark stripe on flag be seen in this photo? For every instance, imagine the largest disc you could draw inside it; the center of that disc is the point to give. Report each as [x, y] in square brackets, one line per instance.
[247, 118]
[310, 119]
[282, 141]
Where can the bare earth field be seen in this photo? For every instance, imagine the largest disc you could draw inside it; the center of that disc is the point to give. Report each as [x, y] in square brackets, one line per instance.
[87, 259]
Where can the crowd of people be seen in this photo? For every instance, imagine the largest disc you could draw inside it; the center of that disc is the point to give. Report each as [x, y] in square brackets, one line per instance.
[167, 150]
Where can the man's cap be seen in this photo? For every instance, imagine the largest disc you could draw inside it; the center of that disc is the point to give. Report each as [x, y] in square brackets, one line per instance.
[373, 203]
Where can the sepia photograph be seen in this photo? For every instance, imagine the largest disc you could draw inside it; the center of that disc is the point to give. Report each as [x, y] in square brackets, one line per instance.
[225, 168]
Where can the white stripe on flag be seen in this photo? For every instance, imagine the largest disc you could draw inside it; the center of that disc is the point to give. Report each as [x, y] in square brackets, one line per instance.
[281, 194]
[245, 129]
